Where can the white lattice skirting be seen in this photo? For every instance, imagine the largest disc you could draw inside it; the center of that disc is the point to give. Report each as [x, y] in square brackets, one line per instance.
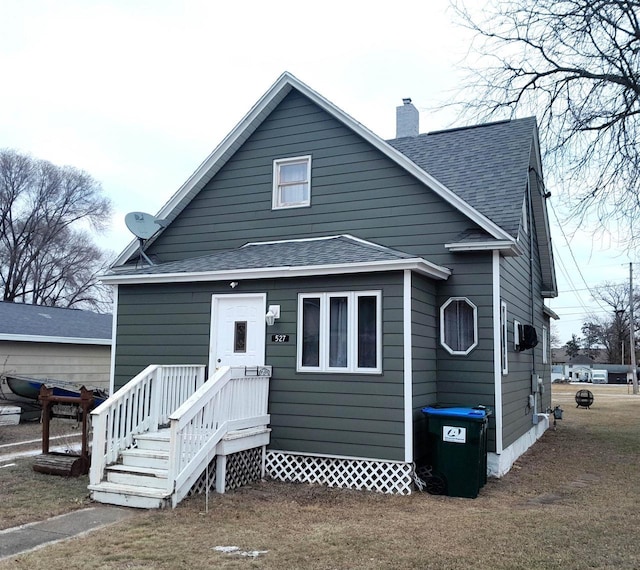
[364, 474]
[243, 467]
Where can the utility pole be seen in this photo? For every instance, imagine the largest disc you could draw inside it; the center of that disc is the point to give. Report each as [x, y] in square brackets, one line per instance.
[632, 336]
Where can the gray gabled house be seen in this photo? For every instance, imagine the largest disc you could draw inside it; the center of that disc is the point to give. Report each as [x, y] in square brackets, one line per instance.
[391, 275]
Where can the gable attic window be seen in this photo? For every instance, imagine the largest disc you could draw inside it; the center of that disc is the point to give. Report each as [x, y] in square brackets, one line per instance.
[340, 332]
[459, 325]
[292, 182]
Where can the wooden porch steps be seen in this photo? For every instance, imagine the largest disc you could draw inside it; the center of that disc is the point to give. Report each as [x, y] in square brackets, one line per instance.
[130, 496]
[140, 480]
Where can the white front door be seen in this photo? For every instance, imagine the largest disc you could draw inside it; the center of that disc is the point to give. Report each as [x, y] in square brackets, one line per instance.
[237, 330]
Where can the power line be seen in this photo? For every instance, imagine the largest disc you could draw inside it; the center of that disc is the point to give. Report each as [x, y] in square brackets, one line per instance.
[574, 260]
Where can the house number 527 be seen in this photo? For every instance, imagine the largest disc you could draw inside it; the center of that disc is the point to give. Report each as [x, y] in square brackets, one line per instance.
[279, 338]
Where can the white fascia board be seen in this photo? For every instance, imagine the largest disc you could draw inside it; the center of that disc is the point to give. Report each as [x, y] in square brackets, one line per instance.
[550, 313]
[279, 89]
[55, 339]
[415, 264]
[509, 247]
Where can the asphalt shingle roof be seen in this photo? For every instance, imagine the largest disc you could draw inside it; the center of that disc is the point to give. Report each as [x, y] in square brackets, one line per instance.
[333, 250]
[486, 165]
[36, 320]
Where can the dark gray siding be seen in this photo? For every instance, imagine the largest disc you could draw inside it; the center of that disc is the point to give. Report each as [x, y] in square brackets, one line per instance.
[354, 189]
[521, 282]
[468, 380]
[161, 324]
[423, 345]
[342, 414]
[339, 414]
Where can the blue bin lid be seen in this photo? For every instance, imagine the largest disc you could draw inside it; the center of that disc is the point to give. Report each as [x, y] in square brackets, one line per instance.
[455, 412]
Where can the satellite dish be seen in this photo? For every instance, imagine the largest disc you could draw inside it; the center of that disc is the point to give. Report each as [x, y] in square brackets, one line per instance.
[143, 225]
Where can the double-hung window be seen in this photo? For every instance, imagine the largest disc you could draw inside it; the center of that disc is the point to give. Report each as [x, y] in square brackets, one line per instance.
[292, 182]
[340, 332]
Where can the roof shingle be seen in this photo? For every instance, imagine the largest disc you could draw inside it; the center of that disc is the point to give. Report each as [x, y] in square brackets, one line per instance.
[486, 165]
[56, 322]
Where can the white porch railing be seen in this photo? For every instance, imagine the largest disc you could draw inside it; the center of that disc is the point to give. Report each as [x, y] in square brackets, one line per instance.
[230, 400]
[141, 405]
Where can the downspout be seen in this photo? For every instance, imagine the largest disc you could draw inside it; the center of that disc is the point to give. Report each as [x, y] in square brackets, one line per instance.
[497, 362]
[408, 367]
[114, 326]
[534, 375]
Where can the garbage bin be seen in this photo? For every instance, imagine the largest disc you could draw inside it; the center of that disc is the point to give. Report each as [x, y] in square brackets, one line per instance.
[457, 448]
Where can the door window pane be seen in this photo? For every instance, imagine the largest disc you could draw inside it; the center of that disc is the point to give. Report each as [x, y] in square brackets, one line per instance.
[240, 337]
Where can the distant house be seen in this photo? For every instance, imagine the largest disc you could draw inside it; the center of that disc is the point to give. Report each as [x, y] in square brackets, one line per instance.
[50, 342]
[596, 355]
[391, 274]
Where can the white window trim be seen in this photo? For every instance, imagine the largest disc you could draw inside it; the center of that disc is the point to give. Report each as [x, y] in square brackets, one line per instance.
[276, 204]
[475, 326]
[525, 217]
[516, 335]
[504, 338]
[545, 342]
[352, 341]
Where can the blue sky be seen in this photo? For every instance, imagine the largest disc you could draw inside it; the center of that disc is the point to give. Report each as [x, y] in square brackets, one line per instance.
[138, 93]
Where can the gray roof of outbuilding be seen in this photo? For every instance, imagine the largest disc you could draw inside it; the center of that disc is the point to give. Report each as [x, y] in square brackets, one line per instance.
[485, 165]
[22, 320]
[332, 250]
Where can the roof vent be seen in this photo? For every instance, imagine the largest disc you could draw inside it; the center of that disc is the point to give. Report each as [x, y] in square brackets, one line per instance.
[407, 119]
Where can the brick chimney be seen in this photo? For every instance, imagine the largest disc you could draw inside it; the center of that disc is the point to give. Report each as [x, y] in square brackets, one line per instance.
[407, 120]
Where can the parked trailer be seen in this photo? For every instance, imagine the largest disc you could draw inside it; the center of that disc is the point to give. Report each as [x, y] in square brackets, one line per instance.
[599, 377]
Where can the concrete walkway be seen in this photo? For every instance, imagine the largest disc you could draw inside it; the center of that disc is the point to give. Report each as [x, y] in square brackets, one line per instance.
[32, 536]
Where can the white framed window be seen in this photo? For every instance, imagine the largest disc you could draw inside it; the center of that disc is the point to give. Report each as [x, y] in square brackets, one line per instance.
[459, 325]
[525, 217]
[292, 182]
[516, 335]
[504, 339]
[340, 332]
[545, 344]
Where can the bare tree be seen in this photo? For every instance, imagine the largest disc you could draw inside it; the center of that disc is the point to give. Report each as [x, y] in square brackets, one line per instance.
[576, 65]
[46, 255]
[612, 331]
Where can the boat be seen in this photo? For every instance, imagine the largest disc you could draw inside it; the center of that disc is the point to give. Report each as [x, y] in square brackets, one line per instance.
[30, 410]
[29, 388]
